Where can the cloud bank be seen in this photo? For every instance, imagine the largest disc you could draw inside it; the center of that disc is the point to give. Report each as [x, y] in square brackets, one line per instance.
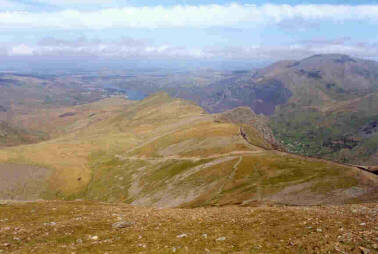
[233, 15]
[125, 47]
[135, 48]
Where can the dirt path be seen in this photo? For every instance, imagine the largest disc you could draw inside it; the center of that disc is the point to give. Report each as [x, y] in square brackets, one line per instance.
[229, 178]
[191, 158]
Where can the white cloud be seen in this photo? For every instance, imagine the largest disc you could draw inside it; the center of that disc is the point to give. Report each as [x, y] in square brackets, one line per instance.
[21, 49]
[78, 2]
[82, 4]
[232, 15]
[293, 51]
[125, 47]
[10, 5]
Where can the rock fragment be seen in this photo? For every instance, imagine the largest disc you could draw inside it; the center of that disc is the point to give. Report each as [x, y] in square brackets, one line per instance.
[222, 238]
[364, 250]
[123, 224]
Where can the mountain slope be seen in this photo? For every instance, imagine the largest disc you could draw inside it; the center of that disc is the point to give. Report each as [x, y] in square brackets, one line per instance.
[236, 91]
[333, 110]
[169, 152]
[11, 136]
[324, 105]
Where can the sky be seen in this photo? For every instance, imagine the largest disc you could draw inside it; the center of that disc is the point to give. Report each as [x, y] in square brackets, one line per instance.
[197, 29]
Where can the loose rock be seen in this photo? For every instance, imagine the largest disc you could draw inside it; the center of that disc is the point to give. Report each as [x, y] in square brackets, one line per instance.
[222, 238]
[94, 238]
[364, 250]
[123, 224]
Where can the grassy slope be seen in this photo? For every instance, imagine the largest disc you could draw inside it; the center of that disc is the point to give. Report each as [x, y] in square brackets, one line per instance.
[36, 107]
[72, 227]
[332, 131]
[326, 113]
[168, 152]
[67, 157]
[11, 136]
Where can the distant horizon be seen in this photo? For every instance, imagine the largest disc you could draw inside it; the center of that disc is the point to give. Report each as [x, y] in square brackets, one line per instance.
[75, 64]
[239, 30]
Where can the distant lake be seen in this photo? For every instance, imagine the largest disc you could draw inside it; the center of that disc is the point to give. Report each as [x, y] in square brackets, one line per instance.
[131, 94]
[134, 95]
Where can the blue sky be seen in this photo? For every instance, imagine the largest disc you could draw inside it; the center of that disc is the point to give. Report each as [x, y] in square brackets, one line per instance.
[240, 29]
[85, 3]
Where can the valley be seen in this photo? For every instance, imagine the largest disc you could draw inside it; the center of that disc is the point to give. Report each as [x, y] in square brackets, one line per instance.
[207, 126]
[323, 106]
[276, 160]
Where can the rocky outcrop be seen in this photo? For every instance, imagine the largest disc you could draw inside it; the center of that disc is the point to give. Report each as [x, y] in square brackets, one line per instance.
[246, 118]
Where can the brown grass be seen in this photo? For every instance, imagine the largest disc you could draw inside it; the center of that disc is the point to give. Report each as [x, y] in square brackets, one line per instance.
[25, 228]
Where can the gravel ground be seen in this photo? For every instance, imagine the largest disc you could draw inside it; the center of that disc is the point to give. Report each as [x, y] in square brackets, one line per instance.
[90, 227]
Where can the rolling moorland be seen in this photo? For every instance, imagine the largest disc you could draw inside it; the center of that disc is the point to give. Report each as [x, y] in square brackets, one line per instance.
[168, 152]
[225, 179]
[220, 169]
[323, 106]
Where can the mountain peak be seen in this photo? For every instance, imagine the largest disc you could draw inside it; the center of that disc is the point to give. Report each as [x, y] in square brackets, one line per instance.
[336, 58]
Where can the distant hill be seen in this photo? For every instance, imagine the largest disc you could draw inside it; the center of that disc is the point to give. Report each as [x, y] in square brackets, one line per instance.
[236, 91]
[167, 152]
[333, 110]
[324, 105]
[332, 71]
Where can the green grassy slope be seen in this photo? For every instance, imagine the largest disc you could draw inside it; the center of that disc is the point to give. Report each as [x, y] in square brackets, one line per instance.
[168, 152]
[340, 132]
[333, 109]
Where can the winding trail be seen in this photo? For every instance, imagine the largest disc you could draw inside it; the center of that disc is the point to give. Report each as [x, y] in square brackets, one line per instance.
[191, 158]
[235, 168]
[229, 178]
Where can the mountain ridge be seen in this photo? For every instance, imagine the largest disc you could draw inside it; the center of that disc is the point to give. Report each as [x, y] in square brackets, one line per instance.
[317, 106]
[167, 152]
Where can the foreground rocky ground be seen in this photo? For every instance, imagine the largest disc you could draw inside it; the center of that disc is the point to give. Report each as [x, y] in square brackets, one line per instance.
[89, 227]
